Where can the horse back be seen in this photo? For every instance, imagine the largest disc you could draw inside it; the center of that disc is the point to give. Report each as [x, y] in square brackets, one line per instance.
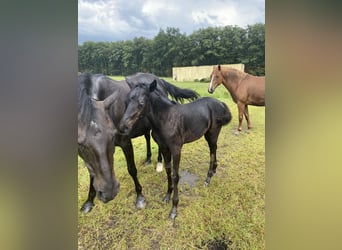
[207, 112]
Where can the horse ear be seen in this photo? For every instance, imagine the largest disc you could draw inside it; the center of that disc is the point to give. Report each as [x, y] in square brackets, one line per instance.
[219, 67]
[109, 100]
[153, 85]
[129, 83]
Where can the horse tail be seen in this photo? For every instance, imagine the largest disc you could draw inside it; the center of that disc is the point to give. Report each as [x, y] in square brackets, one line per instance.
[225, 116]
[179, 94]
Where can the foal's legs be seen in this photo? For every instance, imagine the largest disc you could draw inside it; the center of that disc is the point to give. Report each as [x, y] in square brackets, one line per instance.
[129, 154]
[176, 154]
[167, 161]
[159, 166]
[247, 117]
[172, 179]
[89, 203]
[211, 137]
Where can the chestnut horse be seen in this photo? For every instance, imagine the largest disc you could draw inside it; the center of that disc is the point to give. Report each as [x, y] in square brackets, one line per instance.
[244, 88]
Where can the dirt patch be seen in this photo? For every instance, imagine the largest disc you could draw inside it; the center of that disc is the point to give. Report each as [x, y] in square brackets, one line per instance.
[218, 244]
[188, 178]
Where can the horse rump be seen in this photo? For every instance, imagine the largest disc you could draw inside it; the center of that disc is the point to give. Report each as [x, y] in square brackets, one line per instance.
[223, 116]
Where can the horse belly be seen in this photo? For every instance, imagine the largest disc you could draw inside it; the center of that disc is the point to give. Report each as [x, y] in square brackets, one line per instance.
[256, 94]
[195, 129]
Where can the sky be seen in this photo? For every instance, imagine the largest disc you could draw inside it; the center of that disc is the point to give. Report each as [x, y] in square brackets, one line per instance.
[117, 20]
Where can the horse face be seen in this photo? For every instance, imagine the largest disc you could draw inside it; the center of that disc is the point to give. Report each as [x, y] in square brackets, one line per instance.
[96, 148]
[136, 107]
[216, 79]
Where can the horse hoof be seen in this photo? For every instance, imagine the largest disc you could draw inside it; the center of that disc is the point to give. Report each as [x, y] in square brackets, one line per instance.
[166, 199]
[236, 132]
[159, 167]
[148, 162]
[87, 207]
[206, 184]
[173, 214]
[141, 202]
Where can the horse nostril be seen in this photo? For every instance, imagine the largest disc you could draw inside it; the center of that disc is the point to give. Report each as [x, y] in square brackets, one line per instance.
[123, 129]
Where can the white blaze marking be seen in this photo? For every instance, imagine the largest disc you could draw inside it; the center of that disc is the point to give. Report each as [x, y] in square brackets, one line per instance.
[211, 82]
[93, 124]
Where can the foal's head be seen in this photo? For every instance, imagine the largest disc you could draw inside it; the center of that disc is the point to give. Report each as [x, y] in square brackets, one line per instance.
[137, 105]
[216, 79]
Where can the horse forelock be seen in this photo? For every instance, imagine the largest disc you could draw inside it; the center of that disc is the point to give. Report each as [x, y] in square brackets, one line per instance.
[86, 109]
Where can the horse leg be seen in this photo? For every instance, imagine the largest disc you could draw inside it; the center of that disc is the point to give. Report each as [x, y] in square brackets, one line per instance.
[159, 166]
[148, 147]
[167, 160]
[241, 108]
[247, 117]
[211, 137]
[175, 178]
[132, 170]
[89, 203]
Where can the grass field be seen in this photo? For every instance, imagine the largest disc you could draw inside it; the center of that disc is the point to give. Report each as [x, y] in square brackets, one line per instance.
[229, 213]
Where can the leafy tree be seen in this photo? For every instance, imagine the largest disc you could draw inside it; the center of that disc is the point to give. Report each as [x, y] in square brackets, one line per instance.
[255, 49]
[170, 48]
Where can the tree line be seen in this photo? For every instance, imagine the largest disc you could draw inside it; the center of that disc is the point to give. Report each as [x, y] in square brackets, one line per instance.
[170, 48]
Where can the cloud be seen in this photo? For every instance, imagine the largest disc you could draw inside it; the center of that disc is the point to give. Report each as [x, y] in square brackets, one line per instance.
[112, 20]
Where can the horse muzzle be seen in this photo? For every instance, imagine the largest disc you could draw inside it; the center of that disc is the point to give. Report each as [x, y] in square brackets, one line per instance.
[210, 90]
[123, 129]
[107, 196]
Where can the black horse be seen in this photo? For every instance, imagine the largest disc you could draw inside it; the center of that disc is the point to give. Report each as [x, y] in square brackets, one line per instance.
[98, 135]
[101, 87]
[174, 125]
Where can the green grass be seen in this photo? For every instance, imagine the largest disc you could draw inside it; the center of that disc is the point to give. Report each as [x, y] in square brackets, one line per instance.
[230, 210]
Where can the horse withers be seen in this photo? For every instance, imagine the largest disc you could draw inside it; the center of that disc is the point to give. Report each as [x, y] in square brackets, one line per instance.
[175, 124]
[245, 89]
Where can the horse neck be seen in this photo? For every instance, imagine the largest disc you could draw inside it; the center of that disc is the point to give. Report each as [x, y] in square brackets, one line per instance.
[119, 86]
[232, 79]
[159, 109]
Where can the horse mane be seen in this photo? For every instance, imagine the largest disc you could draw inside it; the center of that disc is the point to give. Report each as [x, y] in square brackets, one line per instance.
[86, 109]
[177, 94]
[234, 75]
[160, 102]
